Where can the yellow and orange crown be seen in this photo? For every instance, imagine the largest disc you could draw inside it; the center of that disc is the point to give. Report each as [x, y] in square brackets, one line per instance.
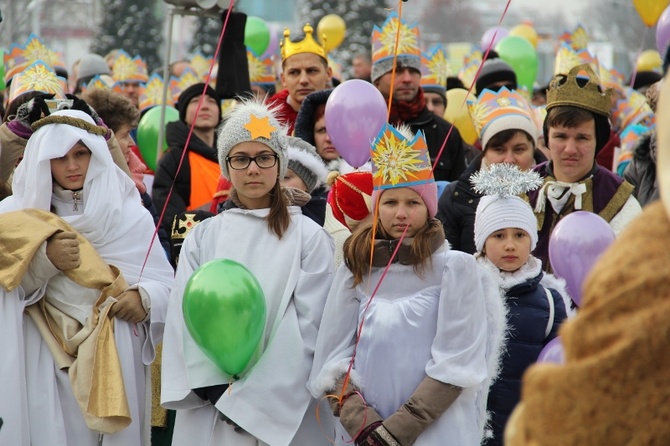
[577, 39]
[471, 64]
[399, 162]
[19, 57]
[152, 94]
[567, 58]
[201, 64]
[38, 76]
[569, 93]
[384, 39]
[179, 84]
[631, 110]
[434, 68]
[129, 69]
[261, 70]
[613, 79]
[101, 82]
[306, 45]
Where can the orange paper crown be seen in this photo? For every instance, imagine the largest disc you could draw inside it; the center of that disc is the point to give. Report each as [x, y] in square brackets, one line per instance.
[434, 68]
[129, 69]
[491, 105]
[19, 57]
[152, 93]
[567, 58]
[179, 84]
[261, 71]
[471, 64]
[577, 39]
[38, 76]
[201, 64]
[384, 39]
[613, 79]
[306, 45]
[631, 110]
[101, 82]
[398, 162]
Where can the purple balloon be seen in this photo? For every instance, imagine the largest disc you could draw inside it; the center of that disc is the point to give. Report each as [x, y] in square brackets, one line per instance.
[663, 32]
[575, 245]
[355, 112]
[553, 352]
[492, 36]
[273, 46]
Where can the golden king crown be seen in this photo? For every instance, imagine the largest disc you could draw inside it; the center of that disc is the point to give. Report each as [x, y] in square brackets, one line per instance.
[306, 45]
[588, 97]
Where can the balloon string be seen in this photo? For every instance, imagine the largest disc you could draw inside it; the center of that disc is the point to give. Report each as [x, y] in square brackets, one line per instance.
[486, 54]
[318, 418]
[188, 137]
[395, 59]
[639, 51]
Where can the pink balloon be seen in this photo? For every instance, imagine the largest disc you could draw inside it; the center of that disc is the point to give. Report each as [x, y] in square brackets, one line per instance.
[355, 111]
[663, 32]
[575, 245]
[553, 352]
[494, 34]
[273, 46]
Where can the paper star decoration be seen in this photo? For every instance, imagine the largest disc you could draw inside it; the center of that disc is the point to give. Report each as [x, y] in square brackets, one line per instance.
[260, 127]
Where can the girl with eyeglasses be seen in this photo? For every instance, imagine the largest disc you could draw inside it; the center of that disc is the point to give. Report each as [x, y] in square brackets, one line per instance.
[291, 256]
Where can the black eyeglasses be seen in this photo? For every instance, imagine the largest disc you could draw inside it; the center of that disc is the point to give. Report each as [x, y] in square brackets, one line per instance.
[243, 162]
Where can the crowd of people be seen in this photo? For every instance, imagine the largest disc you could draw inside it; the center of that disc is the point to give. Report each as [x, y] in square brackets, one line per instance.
[406, 300]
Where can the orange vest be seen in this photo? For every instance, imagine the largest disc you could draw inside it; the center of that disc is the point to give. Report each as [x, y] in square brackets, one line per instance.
[204, 178]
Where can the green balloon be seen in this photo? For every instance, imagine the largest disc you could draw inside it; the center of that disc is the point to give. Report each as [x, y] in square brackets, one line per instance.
[256, 35]
[224, 311]
[148, 131]
[520, 54]
[2, 69]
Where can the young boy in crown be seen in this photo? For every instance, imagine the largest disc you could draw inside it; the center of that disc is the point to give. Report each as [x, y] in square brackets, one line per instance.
[576, 127]
[304, 70]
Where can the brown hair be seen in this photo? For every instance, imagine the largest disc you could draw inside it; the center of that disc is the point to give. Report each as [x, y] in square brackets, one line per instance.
[319, 112]
[278, 219]
[501, 138]
[356, 248]
[114, 109]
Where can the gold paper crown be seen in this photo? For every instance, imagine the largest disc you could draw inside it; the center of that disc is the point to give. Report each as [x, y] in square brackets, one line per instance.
[179, 84]
[101, 82]
[399, 162]
[384, 39]
[261, 70]
[152, 94]
[578, 39]
[201, 64]
[567, 57]
[129, 69]
[434, 68]
[588, 97]
[39, 76]
[306, 45]
[19, 57]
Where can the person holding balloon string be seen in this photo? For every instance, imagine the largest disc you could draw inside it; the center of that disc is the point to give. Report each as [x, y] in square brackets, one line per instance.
[84, 290]
[537, 303]
[195, 182]
[508, 134]
[262, 398]
[410, 362]
[576, 127]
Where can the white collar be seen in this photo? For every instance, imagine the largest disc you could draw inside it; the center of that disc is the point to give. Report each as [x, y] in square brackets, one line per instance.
[507, 280]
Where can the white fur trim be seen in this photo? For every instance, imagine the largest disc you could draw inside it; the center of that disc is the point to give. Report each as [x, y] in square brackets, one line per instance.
[556, 283]
[315, 165]
[507, 280]
[327, 379]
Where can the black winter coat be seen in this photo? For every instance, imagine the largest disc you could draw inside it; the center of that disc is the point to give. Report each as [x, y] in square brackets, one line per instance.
[457, 207]
[452, 162]
[641, 173]
[527, 320]
[175, 134]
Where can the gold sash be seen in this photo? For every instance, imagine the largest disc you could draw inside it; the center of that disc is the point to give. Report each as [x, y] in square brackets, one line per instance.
[89, 351]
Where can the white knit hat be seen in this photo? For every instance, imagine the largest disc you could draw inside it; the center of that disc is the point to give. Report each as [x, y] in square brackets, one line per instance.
[501, 208]
[306, 163]
[252, 121]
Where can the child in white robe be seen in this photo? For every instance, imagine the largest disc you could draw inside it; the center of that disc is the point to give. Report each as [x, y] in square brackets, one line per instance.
[410, 338]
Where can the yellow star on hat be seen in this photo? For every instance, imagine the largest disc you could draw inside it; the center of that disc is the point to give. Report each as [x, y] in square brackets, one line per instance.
[259, 127]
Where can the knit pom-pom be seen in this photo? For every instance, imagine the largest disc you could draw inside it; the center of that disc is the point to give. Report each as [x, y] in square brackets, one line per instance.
[332, 176]
[505, 180]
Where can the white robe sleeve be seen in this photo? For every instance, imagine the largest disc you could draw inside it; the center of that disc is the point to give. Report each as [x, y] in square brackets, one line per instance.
[39, 271]
[459, 348]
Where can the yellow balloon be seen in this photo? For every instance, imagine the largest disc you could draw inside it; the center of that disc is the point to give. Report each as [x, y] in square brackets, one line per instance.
[526, 31]
[457, 113]
[650, 10]
[649, 60]
[334, 29]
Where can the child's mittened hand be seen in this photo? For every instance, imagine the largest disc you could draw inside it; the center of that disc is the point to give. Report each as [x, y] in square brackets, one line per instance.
[63, 250]
[129, 307]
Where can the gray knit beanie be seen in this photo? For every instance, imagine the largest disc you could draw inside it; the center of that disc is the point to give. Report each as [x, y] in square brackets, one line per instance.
[252, 121]
[306, 163]
[386, 65]
[492, 71]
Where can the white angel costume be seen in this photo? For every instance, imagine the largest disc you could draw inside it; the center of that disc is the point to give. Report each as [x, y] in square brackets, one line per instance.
[38, 403]
[447, 324]
[270, 402]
